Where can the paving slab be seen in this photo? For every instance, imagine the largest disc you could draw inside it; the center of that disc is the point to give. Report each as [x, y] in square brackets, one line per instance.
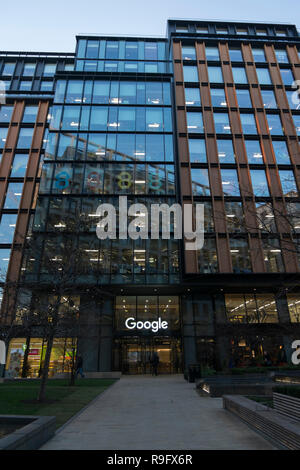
[164, 413]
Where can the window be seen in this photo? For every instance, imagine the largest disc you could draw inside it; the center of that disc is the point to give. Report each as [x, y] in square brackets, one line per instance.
[259, 183]
[192, 97]
[220, 30]
[131, 50]
[92, 49]
[30, 114]
[281, 152]
[194, 122]
[50, 69]
[69, 67]
[287, 77]
[293, 99]
[13, 195]
[235, 54]
[101, 92]
[9, 68]
[234, 217]
[182, 29]
[112, 50]
[243, 98]
[4, 260]
[259, 55]
[25, 85]
[261, 32]
[248, 124]
[272, 255]
[254, 153]
[222, 124]
[212, 53]
[200, 182]
[46, 86]
[74, 91]
[239, 75]
[71, 117]
[29, 69]
[250, 308]
[230, 182]
[281, 32]
[288, 183]
[275, 124]
[3, 135]
[190, 74]
[197, 149]
[240, 256]
[6, 113]
[151, 51]
[19, 166]
[127, 119]
[207, 257]
[188, 53]
[242, 31]
[25, 138]
[215, 74]
[269, 99]
[7, 228]
[296, 120]
[202, 29]
[225, 151]
[264, 77]
[218, 98]
[293, 301]
[281, 56]
[265, 217]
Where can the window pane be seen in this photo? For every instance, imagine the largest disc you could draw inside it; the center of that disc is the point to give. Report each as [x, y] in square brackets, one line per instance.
[248, 124]
[230, 182]
[7, 228]
[30, 114]
[192, 97]
[9, 68]
[215, 74]
[281, 56]
[4, 260]
[296, 120]
[218, 98]
[243, 98]
[29, 70]
[235, 54]
[207, 257]
[212, 53]
[288, 183]
[293, 99]
[200, 182]
[197, 151]
[239, 75]
[234, 217]
[287, 77]
[19, 165]
[258, 55]
[25, 138]
[13, 195]
[240, 256]
[275, 124]
[264, 77]
[254, 152]
[259, 183]
[188, 53]
[269, 100]
[3, 135]
[194, 122]
[6, 113]
[281, 153]
[226, 151]
[49, 70]
[190, 74]
[222, 124]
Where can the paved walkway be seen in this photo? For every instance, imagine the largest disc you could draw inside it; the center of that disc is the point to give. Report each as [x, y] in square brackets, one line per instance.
[165, 413]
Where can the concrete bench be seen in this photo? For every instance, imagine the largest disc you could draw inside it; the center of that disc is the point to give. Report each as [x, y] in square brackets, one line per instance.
[284, 432]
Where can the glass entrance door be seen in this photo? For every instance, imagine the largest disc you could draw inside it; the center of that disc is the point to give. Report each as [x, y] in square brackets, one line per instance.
[133, 355]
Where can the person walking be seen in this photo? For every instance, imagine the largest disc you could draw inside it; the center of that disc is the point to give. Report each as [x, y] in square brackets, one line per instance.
[79, 367]
[154, 363]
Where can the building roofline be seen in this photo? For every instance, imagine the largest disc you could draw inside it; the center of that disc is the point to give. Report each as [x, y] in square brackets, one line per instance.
[212, 20]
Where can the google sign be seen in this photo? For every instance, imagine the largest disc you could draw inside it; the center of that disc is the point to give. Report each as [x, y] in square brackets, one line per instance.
[154, 326]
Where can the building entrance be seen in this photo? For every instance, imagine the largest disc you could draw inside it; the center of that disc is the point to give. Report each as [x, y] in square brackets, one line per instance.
[132, 355]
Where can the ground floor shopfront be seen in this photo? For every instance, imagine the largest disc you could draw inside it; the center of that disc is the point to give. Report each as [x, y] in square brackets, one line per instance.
[219, 331]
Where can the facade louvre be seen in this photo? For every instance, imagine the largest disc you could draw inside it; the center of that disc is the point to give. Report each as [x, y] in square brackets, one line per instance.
[206, 116]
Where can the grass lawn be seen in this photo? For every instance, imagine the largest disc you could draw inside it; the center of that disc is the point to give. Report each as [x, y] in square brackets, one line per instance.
[69, 399]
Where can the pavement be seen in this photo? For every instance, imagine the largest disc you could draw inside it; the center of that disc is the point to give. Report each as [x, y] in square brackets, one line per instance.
[164, 413]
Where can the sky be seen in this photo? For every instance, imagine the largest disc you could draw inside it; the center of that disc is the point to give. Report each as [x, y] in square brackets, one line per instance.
[51, 25]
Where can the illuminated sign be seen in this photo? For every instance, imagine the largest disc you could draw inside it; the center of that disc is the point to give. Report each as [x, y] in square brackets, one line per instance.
[154, 326]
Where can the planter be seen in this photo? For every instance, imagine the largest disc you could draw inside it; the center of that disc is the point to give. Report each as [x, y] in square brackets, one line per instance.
[287, 405]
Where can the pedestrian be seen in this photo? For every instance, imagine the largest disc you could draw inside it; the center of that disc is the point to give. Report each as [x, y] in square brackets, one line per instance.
[79, 367]
[154, 363]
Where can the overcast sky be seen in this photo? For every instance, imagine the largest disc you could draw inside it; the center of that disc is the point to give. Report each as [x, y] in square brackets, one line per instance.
[51, 25]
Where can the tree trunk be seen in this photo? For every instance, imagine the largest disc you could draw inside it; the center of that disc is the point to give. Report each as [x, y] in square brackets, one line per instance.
[25, 360]
[45, 371]
[73, 368]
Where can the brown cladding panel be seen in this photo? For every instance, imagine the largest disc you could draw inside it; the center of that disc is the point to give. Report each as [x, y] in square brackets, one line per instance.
[177, 51]
[183, 149]
[289, 254]
[224, 256]
[179, 94]
[178, 72]
[257, 257]
[185, 181]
